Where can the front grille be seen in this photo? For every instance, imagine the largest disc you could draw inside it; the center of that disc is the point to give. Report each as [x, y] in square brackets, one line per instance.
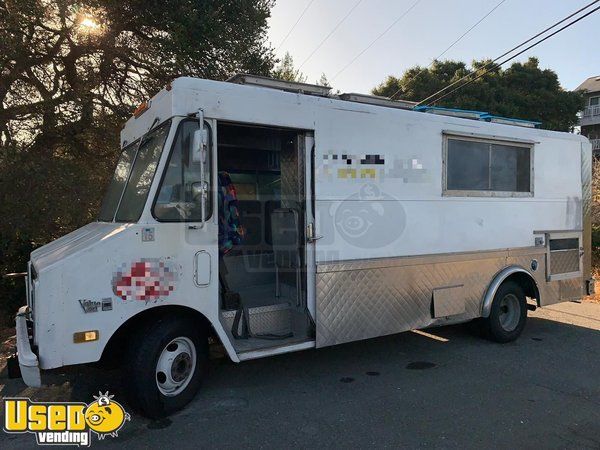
[29, 286]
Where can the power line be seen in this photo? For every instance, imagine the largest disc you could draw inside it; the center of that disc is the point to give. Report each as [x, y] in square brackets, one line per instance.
[294, 26]
[377, 38]
[470, 29]
[511, 50]
[521, 52]
[330, 33]
[451, 45]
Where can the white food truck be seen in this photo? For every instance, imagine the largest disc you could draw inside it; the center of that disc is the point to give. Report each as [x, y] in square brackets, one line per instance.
[271, 217]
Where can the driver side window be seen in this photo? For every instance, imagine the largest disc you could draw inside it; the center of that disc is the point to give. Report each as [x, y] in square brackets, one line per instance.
[180, 192]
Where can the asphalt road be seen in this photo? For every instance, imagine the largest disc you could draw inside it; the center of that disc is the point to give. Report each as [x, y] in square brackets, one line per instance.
[411, 390]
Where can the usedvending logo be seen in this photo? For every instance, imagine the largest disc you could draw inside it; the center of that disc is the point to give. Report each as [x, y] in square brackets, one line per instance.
[71, 423]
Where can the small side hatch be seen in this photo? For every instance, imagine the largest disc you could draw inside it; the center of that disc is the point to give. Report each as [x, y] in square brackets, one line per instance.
[448, 301]
[564, 252]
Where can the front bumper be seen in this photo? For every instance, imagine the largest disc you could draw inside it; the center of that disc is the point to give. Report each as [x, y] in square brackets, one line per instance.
[28, 361]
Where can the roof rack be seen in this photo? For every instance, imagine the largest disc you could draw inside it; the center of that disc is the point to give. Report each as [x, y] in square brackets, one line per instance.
[282, 85]
[313, 89]
[477, 115]
[324, 91]
[377, 100]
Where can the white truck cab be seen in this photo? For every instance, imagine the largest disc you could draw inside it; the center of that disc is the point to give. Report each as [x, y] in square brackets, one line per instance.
[273, 217]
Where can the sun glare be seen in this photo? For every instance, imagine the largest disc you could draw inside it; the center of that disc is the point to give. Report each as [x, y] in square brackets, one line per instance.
[89, 25]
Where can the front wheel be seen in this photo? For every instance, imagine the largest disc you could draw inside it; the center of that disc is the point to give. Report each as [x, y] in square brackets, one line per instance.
[167, 362]
[508, 314]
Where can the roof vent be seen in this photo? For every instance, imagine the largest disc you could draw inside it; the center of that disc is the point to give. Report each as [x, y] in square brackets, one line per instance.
[273, 83]
[377, 100]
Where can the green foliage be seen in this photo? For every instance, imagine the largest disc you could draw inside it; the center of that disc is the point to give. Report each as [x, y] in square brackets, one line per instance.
[71, 72]
[521, 91]
[14, 253]
[323, 81]
[286, 71]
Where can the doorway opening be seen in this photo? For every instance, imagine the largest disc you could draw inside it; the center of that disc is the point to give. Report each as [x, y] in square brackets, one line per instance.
[262, 242]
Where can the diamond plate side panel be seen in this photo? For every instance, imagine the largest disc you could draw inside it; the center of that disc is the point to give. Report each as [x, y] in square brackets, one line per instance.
[564, 262]
[359, 303]
[549, 291]
[570, 289]
[264, 319]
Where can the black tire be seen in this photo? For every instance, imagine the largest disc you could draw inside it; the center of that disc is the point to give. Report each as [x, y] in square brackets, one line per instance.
[145, 349]
[502, 326]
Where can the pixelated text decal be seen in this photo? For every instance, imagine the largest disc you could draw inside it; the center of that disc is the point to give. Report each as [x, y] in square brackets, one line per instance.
[342, 166]
[148, 279]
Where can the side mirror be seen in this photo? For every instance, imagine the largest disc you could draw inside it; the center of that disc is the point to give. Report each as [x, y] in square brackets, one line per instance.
[199, 189]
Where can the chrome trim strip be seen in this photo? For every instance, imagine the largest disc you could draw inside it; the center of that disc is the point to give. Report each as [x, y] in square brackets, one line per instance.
[400, 261]
[261, 353]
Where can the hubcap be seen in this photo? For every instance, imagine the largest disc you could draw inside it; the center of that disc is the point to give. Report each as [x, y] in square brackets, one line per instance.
[175, 367]
[510, 312]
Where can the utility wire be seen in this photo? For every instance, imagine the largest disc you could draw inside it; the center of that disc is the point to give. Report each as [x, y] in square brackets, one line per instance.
[514, 56]
[377, 38]
[510, 51]
[451, 45]
[294, 26]
[330, 33]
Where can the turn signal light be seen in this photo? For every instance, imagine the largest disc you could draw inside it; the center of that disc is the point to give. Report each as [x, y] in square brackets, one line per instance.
[85, 336]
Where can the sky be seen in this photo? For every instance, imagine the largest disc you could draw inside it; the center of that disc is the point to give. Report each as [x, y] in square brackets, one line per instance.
[425, 32]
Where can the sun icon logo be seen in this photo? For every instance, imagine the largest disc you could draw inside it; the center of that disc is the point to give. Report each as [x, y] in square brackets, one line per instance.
[105, 416]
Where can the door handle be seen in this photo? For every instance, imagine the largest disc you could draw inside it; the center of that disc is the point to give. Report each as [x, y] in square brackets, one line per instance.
[310, 233]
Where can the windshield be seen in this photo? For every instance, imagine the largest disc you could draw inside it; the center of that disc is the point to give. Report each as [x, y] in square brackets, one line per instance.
[133, 176]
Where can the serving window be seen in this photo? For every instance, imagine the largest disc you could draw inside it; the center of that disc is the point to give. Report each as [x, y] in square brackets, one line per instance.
[475, 166]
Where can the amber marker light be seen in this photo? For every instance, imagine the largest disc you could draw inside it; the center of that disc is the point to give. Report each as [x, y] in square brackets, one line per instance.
[144, 106]
[85, 336]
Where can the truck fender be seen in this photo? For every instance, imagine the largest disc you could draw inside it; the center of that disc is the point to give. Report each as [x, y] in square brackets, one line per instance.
[488, 298]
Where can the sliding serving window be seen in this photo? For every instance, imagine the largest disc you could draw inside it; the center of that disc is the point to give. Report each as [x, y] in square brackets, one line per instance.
[475, 166]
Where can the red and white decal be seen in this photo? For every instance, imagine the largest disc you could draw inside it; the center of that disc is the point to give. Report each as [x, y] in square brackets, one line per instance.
[146, 280]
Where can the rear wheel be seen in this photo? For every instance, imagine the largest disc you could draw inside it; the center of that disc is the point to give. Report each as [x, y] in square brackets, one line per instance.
[167, 362]
[508, 314]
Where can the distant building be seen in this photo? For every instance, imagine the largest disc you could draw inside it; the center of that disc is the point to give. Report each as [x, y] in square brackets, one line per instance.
[590, 118]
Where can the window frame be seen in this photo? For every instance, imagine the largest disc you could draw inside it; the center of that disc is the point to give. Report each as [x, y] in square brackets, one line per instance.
[590, 101]
[209, 207]
[499, 140]
[168, 123]
[123, 149]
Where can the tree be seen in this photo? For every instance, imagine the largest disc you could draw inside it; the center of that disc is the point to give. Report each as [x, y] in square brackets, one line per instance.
[323, 81]
[67, 62]
[286, 71]
[72, 71]
[521, 91]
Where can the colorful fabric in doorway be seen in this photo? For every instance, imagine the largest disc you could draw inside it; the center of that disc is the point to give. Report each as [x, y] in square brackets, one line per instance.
[231, 231]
